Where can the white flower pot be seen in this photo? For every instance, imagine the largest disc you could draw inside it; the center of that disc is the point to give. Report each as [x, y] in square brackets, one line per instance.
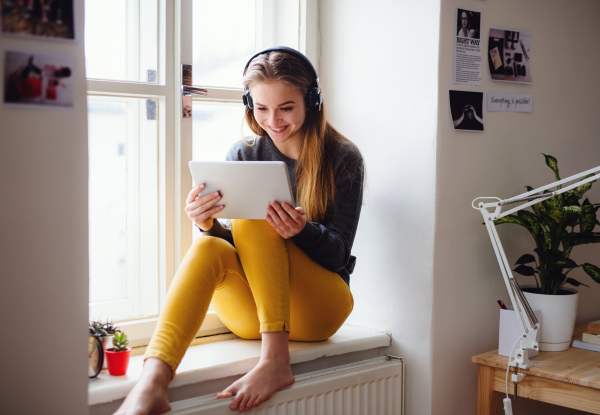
[558, 318]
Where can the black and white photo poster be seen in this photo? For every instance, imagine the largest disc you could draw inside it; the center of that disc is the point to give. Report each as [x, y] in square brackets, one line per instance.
[466, 110]
[466, 67]
[508, 55]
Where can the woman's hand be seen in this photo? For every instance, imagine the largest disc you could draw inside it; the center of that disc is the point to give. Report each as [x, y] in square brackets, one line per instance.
[200, 209]
[286, 220]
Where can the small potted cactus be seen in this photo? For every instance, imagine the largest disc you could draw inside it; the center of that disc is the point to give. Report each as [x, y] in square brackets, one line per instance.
[118, 355]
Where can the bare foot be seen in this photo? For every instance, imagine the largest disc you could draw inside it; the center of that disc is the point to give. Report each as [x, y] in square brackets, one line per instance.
[149, 395]
[259, 384]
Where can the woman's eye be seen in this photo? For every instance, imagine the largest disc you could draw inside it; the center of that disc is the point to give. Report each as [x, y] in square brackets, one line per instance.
[261, 109]
[286, 109]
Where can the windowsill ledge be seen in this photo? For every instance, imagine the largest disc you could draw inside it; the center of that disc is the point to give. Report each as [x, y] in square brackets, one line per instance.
[221, 359]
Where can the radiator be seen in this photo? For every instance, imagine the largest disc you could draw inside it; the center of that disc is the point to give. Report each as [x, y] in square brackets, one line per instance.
[369, 387]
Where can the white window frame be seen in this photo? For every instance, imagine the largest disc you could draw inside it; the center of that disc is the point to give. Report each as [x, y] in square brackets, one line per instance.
[174, 149]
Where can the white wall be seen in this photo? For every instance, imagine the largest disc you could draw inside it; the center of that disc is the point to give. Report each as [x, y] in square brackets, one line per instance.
[381, 90]
[44, 248]
[499, 162]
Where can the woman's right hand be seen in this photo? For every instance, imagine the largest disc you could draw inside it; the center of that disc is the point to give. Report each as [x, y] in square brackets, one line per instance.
[200, 209]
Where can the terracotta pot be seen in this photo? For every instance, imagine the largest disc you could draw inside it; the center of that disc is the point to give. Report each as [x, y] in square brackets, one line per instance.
[117, 361]
[558, 317]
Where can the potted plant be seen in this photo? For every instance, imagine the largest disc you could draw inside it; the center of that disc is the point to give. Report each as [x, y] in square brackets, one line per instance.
[557, 224]
[105, 333]
[118, 355]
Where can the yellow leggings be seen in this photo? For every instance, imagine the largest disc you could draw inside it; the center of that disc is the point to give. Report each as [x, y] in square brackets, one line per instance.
[264, 284]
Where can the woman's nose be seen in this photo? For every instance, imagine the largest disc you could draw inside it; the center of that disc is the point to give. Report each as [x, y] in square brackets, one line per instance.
[273, 118]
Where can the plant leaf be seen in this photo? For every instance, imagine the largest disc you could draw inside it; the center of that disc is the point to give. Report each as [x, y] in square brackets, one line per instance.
[547, 236]
[555, 202]
[589, 216]
[525, 259]
[556, 214]
[553, 164]
[575, 282]
[579, 191]
[592, 270]
[555, 254]
[524, 270]
[573, 209]
[542, 253]
[585, 238]
[556, 275]
[565, 263]
[534, 226]
[512, 219]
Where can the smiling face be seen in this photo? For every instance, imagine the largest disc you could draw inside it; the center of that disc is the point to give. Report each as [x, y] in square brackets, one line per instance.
[280, 110]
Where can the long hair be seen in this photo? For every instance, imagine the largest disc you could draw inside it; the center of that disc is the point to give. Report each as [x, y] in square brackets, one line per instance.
[315, 181]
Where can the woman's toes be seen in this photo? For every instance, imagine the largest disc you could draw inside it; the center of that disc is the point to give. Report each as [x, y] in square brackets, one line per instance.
[224, 394]
[236, 401]
[243, 403]
[250, 403]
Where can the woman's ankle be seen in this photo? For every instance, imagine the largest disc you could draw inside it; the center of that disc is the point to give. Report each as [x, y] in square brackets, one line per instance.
[275, 347]
[157, 372]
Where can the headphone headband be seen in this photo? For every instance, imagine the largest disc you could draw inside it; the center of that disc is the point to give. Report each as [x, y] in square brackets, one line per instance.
[314, 97]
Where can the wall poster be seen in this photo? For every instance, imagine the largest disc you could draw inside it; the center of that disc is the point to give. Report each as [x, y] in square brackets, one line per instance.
[509, 55]
[41, 80]
[466, 66]
[44, 19]
[509, 102]
[466, 110]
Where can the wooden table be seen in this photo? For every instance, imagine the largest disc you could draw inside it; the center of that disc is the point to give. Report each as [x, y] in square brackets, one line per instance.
[570, 378]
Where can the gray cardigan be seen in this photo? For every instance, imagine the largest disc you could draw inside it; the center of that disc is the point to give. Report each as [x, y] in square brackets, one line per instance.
[327, 243]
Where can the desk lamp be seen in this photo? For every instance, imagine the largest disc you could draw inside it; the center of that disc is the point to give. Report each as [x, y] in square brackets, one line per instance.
[527, 321]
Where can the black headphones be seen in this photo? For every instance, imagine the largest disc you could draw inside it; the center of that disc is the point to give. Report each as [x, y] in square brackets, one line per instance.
[313, 98]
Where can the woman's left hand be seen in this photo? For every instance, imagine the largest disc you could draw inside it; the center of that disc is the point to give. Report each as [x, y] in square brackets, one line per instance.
[286, 220]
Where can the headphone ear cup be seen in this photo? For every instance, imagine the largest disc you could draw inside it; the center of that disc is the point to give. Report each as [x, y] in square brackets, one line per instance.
[248, 100]
[313, 99]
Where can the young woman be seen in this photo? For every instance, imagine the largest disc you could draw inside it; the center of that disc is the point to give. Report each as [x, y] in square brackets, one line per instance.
[284, 278]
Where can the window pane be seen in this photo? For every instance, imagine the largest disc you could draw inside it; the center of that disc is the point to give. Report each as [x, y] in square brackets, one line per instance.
[121, 41]
[216, 127]
[223, 39]
[107, 200]
[123, 207]
[226, 33]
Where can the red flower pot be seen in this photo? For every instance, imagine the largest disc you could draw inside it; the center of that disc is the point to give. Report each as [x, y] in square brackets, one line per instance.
[117, 361]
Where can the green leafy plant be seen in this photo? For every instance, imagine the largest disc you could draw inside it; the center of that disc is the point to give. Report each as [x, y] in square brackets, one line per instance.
[120, 342]
[100, 329]
[553, 224]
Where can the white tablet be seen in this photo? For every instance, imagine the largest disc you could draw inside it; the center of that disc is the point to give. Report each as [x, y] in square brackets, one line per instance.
[247, 187]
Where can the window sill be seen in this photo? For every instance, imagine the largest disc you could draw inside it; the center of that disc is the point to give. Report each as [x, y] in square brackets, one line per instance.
[231, 357]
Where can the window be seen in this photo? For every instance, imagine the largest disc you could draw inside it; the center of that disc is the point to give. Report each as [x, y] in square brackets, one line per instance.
[139, 145]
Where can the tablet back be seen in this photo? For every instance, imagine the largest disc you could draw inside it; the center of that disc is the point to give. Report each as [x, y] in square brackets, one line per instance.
[247, 187]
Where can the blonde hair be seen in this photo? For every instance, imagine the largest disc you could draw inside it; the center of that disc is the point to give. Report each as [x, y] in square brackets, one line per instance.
[315, 180]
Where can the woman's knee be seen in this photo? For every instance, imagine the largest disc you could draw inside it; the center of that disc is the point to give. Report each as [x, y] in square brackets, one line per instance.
[210, 247]
[209, 256]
